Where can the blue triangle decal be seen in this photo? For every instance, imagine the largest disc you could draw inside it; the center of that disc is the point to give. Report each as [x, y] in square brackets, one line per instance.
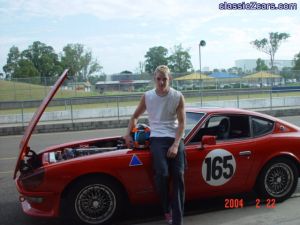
[135, 161]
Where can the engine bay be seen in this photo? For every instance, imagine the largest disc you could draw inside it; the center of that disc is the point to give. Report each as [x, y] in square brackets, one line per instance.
[32, 160]
[85, 149]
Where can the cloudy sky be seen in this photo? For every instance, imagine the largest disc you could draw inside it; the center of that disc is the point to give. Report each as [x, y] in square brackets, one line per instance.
[120, 32]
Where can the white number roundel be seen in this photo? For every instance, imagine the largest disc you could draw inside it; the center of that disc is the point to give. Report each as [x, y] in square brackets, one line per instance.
[218, 167]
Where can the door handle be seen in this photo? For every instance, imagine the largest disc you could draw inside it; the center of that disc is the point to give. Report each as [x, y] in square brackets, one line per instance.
[245, 153]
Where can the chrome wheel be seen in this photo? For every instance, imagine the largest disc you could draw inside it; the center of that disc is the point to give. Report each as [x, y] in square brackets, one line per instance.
[279, 180]
[95, 204]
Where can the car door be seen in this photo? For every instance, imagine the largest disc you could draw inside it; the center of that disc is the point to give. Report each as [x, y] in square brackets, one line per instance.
[223, 167]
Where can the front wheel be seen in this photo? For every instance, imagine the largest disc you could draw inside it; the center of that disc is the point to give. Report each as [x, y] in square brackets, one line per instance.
[95, 201]
[278, 179]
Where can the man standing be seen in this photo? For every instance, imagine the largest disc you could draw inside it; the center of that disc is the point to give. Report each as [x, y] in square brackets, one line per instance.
[165, 107]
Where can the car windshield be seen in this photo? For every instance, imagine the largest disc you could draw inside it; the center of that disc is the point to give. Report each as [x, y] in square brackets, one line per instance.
[192, 120]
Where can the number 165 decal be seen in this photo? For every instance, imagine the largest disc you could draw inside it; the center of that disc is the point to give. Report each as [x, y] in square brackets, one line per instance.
[218, 167]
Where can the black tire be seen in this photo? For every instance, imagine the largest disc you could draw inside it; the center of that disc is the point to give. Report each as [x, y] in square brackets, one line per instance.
[95, 200]
[278, 179]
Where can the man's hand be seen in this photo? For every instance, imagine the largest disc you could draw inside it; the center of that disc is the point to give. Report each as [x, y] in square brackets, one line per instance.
[128, 140]
[172, 152]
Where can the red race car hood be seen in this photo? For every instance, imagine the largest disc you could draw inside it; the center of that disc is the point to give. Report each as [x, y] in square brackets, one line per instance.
[24, 148]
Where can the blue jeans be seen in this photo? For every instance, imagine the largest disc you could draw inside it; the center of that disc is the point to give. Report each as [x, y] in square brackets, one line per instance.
[164, 168]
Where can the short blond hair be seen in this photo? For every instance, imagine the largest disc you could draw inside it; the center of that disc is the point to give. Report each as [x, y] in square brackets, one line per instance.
[162, 69]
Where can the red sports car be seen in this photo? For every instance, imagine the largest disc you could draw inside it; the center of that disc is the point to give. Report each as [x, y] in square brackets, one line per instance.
[228, 151]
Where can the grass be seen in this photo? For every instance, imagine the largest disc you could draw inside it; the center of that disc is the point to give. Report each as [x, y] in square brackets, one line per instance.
[17, 91]
[134, 103]
[24, 91]
[68, 107]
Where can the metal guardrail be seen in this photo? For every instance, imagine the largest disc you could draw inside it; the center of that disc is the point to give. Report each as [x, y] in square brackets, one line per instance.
[135, 97]
[100, 107]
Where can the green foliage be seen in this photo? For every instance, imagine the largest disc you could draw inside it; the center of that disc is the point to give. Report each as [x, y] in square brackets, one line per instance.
[43, 58]
[141, 67]
[40, 60]
[154, 57]
[79, 61]
[260, 65]
[297, 62]
[271, 45]
[287, 73]
[235, 70]
[94, 79]
[25, 69]
[12, 62]
[180, 60]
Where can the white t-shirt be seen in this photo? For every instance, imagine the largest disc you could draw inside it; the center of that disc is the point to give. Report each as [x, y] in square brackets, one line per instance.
[162, 113]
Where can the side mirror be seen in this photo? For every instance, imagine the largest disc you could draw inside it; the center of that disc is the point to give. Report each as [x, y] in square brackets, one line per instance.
[208, 140]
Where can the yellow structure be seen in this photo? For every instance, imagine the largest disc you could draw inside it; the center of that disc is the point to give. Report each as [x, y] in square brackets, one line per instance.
[195, 76]
[262, 75]
[193, 81]
[263, 79]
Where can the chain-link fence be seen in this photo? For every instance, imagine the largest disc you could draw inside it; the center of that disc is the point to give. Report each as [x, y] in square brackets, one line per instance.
[117, 107]
[36, 88]
[83, 101]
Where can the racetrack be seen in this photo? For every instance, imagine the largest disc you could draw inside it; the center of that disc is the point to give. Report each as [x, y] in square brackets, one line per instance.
[198, 212]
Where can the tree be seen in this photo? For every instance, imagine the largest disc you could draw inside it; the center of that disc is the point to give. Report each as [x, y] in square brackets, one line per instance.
[260, 65]
[154, 57]
[271, 45]
[38, 60]
[180, 60]
[12, 62]
[93, 79]
[287, 73]
[44, 59]
[297, 62]
[89, 65]
[235, 70]
[141, 68]
[26, 69]
[79, 61]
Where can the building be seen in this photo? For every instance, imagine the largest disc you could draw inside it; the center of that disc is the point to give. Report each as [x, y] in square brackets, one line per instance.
[125, 76]
[122, 85]
[79, 86]
[249, 65]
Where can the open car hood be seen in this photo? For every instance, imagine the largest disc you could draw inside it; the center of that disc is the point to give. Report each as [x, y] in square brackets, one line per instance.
[24, 148]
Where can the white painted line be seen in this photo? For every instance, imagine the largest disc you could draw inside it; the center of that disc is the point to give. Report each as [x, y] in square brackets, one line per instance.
[8, 158]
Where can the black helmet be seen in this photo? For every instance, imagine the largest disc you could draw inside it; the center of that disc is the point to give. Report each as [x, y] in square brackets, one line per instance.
[141, 136]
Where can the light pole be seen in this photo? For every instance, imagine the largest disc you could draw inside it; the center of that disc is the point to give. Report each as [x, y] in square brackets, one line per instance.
[201, 43]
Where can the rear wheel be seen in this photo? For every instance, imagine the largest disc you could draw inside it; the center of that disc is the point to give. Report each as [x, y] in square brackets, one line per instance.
[95, 201]
[278, 179]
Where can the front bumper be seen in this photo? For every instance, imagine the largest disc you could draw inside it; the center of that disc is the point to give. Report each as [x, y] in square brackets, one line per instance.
[36, 203]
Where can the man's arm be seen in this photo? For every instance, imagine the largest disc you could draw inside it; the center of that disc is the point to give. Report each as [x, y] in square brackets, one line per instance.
[141, 108]
[172, 152]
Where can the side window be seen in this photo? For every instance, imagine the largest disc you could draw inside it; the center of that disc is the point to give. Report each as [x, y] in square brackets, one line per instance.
[210, 127]
[240, 127]
[225, 127]
[261, 126]
[192, 119]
